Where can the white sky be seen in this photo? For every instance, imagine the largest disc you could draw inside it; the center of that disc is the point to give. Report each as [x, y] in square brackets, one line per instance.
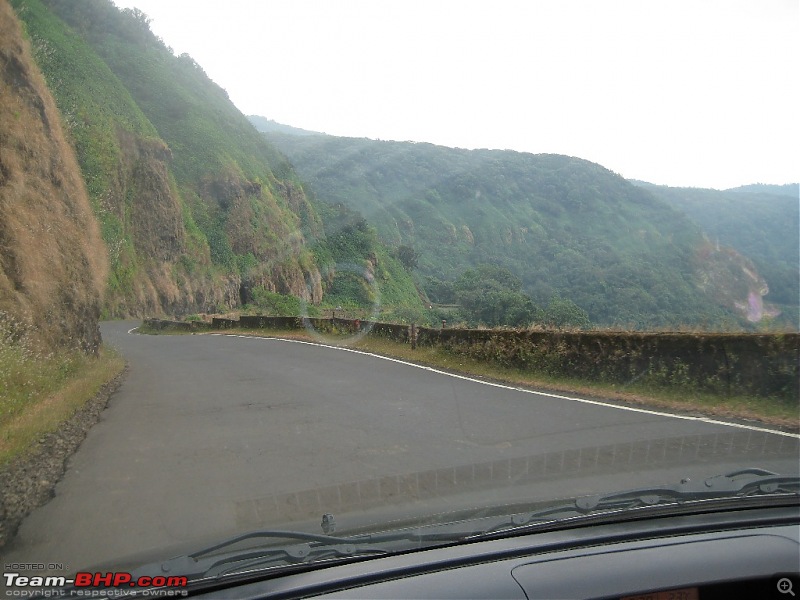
[678, 92]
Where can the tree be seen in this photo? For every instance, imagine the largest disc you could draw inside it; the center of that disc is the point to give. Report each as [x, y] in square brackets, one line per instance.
[562, 312]
[438, 291]
[408, 257]
[490, 295]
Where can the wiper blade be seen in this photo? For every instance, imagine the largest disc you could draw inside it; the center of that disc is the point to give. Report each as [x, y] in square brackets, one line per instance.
[747, 482]
[210, 562]
[738, 484]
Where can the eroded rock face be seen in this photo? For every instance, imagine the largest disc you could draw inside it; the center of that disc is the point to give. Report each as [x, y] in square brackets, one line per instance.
[152, 235]
[258, 226]
[731, 280]
[147, 204]
[53, 261]
[156, 221]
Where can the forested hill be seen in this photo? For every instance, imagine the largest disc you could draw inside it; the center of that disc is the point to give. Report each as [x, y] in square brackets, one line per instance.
[566, 227]
[759, 221]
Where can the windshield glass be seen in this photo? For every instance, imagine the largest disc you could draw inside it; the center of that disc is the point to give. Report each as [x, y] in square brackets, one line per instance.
[326, 270]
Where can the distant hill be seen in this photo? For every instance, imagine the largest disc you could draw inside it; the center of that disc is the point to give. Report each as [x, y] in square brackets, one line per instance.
[566, 227]
[789, 189]
[763, 224]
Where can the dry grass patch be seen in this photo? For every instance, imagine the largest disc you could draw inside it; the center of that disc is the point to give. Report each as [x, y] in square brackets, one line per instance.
[54, 402]
[53, 261]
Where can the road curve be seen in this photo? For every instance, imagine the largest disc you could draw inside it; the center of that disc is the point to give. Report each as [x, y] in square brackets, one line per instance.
[213, 434]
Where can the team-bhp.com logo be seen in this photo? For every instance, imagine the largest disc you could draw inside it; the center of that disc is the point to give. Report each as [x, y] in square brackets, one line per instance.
[158, 585]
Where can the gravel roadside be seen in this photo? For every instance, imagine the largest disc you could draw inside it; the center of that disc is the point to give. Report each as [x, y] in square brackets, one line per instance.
[29, 481]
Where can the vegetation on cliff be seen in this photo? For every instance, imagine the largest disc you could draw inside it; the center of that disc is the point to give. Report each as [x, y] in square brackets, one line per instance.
[198, 211]
[193, 203]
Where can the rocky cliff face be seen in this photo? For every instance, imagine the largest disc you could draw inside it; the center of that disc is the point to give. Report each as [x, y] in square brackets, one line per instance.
[52, 257]
[160, 267]
[189, 198]
[147, 253]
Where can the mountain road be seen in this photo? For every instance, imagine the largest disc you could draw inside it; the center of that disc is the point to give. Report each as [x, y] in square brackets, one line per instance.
[214, 434]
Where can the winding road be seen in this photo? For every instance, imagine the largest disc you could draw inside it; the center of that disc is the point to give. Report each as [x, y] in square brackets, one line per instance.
[211, 435]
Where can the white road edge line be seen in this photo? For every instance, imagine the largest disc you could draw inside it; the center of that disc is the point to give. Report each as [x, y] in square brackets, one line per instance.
[518, 389]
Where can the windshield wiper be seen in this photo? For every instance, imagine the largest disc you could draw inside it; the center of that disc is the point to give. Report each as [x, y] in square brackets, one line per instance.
[313, 548]
[223, 559]
[209, 562]
[738, 484]
[746, 482]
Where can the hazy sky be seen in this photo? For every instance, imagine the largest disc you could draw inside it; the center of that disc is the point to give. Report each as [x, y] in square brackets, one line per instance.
[677, 92]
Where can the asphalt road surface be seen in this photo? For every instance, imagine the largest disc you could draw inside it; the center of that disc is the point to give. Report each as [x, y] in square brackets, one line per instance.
[211, 435]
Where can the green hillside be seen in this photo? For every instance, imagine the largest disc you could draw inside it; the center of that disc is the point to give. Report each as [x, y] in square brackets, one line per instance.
[197, 209]
[567, 228]
[758, 221]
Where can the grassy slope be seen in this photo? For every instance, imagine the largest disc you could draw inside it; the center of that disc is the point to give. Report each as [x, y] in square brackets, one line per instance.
[235, 183]
[42, 391]
[351, 248]
[52, 259]
[139, 158]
